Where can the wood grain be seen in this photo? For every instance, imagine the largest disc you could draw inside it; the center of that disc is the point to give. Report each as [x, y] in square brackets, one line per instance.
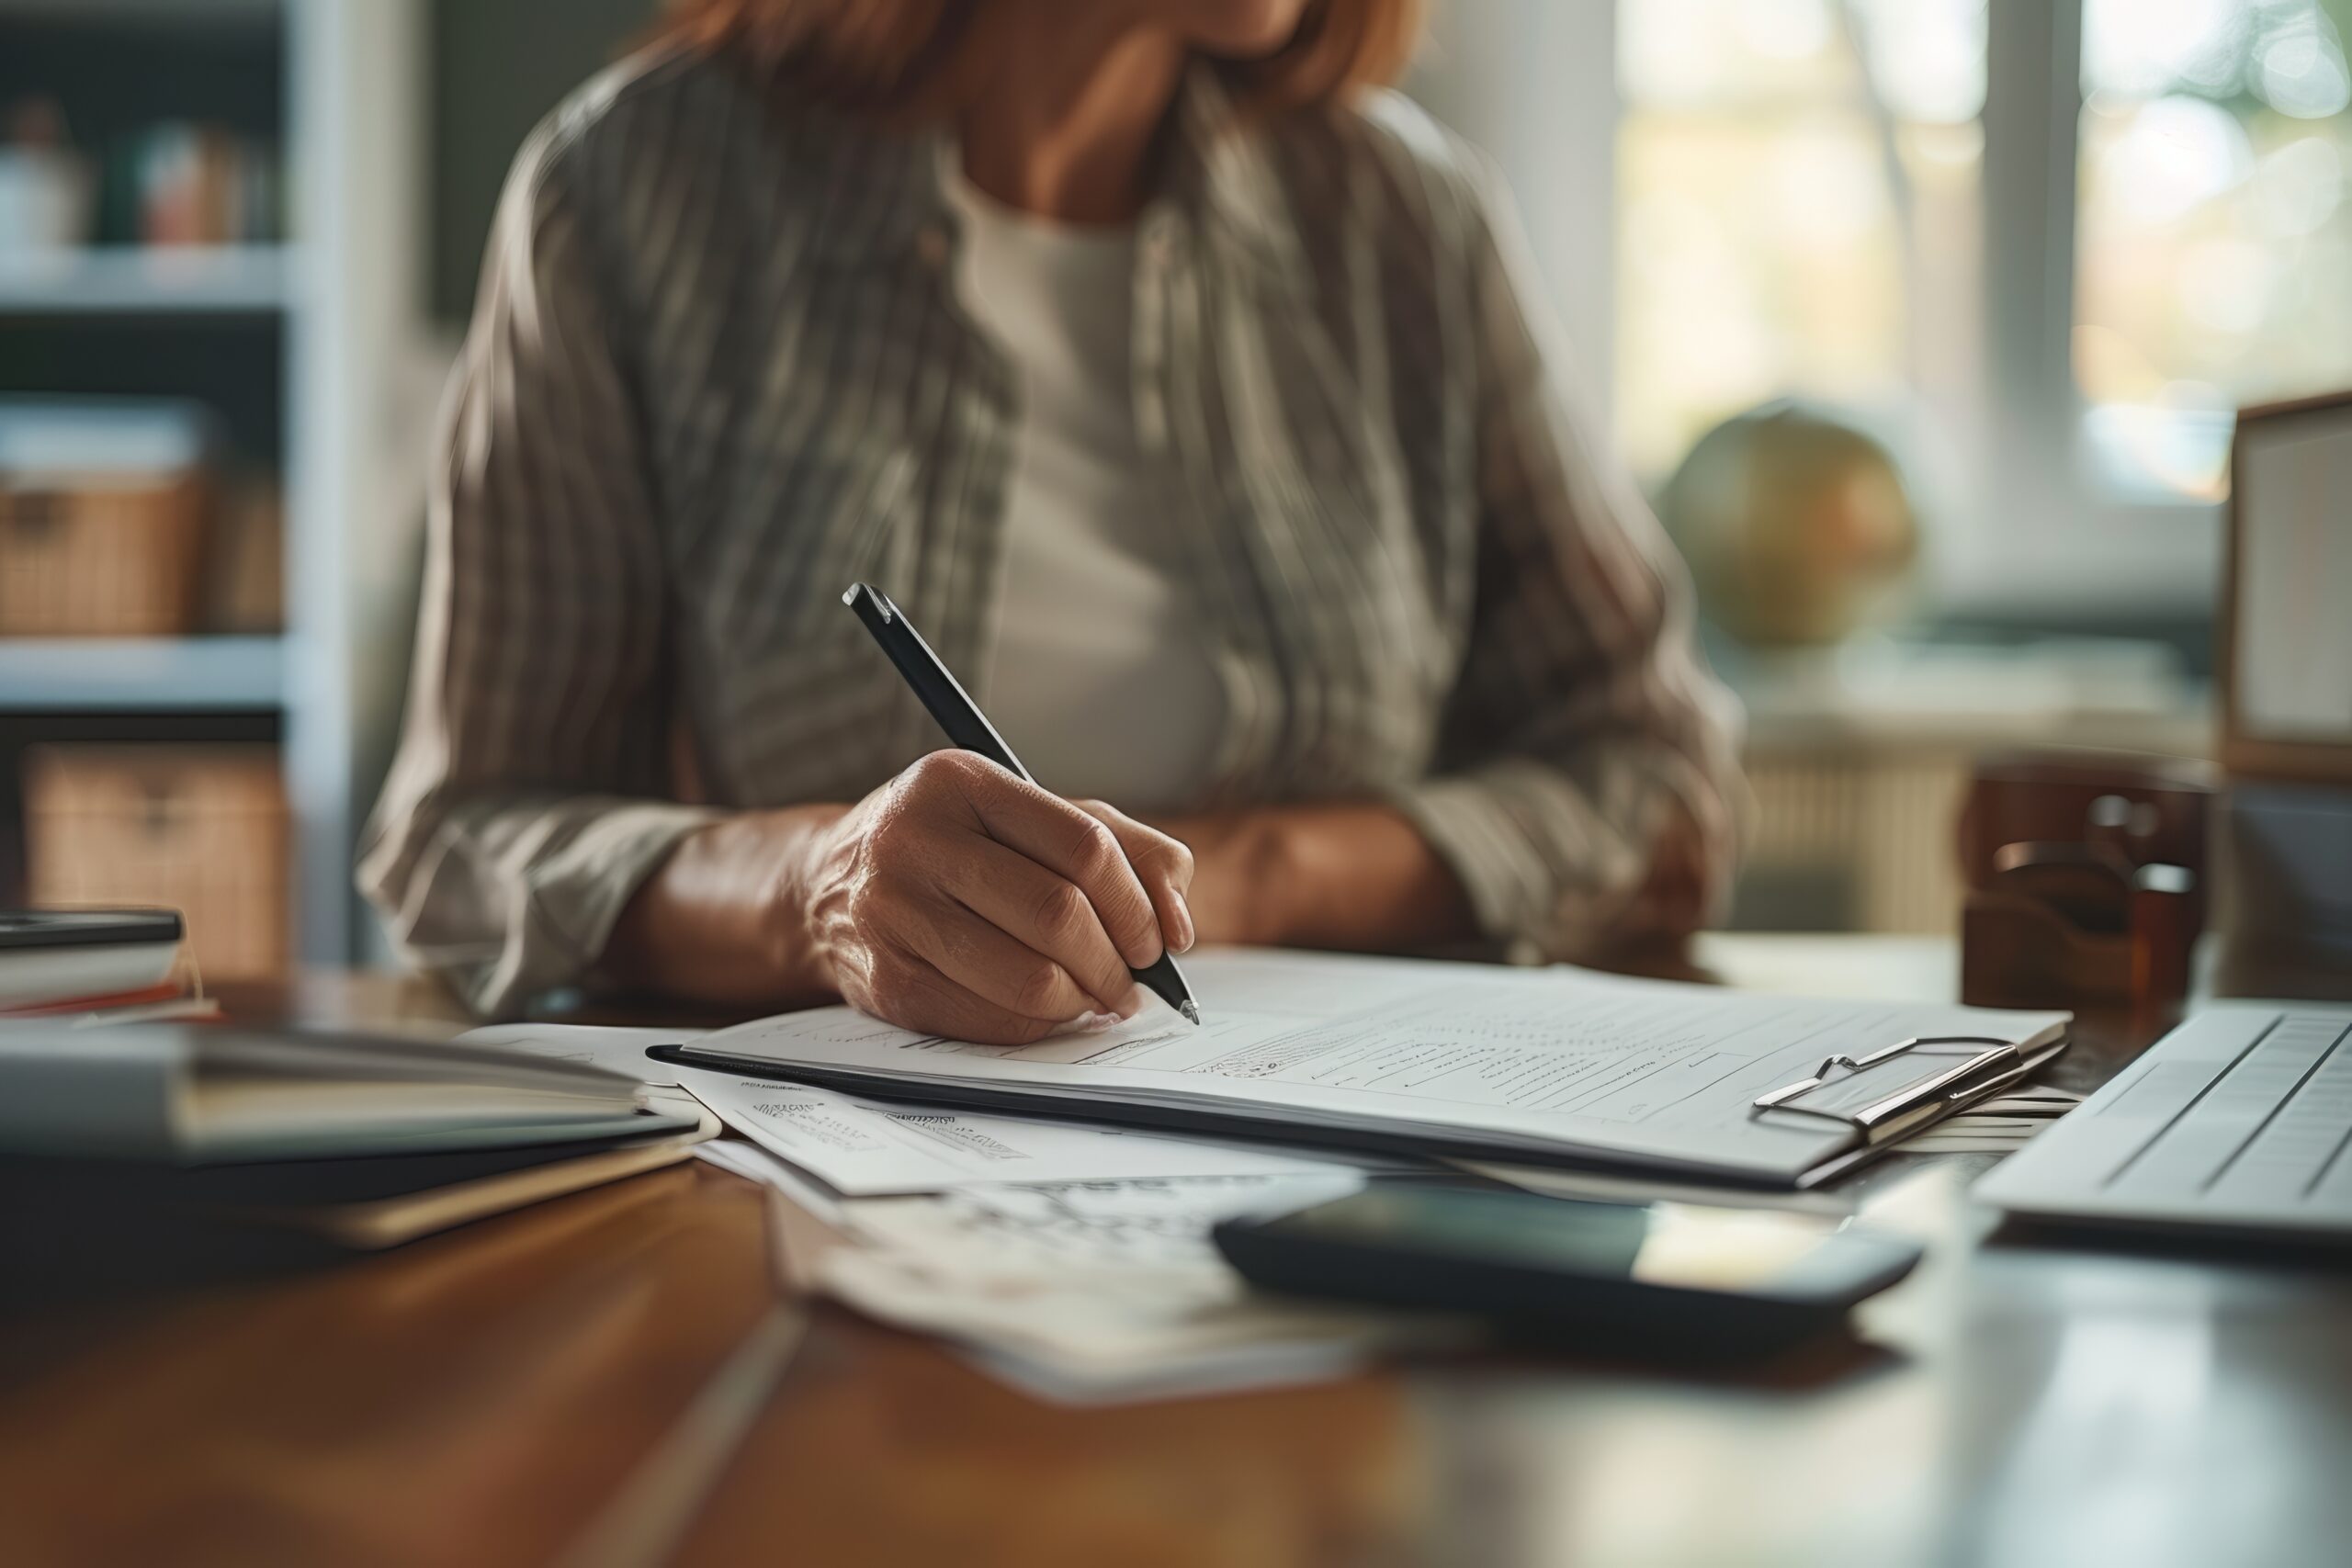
[465, 1399]
[481, 1397]
[881, 1450]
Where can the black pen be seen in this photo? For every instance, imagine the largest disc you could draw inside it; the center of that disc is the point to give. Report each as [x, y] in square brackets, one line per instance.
[969, 729]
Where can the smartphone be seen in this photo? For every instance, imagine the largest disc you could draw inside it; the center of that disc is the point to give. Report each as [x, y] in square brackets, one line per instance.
[1665, 1278]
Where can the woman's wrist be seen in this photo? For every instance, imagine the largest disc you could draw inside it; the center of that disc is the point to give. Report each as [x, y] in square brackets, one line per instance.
[727, 918]
[1235, 892]
[789, 901]
[1351, 876]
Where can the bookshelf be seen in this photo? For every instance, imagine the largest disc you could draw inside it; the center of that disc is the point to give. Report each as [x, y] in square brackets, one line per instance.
[193, 675]
[205, 279]
[308, 346]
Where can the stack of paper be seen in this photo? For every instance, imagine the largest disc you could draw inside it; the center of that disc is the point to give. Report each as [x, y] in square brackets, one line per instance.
[865, 1148]
[1073, 1257]
[1087, 1292]
[1073, 1261]
[1995, 1126]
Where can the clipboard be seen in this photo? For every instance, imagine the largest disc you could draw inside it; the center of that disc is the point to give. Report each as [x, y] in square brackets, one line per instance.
[1884, 1115]
[1986, 1067]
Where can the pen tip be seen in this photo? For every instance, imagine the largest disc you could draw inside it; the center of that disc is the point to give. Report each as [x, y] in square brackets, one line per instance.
[1192, 1012]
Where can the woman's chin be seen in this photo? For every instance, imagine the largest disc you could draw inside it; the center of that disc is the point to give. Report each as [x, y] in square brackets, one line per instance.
[1239, 29]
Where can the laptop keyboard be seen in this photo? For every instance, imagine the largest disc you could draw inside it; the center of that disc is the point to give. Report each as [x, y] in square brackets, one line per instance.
[2270, 1132]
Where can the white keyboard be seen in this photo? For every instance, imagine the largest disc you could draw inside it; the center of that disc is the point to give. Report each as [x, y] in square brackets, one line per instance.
[2240, 1120]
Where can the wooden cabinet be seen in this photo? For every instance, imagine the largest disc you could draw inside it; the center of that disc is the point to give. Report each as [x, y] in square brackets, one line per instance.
[201, 829]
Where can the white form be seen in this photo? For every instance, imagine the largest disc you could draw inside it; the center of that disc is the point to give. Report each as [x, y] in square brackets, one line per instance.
[615, 1050]
[864, 1148]
[1064, 1228]
[1551, 1061]
[1101, 1290]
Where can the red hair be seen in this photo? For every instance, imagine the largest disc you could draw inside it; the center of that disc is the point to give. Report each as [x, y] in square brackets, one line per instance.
[898, 59]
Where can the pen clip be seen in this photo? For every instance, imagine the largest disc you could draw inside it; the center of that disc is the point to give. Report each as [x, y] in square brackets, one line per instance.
[883, 606]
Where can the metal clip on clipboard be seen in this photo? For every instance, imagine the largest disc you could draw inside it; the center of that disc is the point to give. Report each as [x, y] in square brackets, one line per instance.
[1981, 1073]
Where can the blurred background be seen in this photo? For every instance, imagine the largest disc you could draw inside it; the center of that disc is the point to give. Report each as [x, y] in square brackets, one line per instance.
[1922, 320]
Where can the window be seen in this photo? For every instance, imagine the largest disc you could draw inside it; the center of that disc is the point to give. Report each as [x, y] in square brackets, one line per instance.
[2057, 241]
[2214, 266]
[1799, 196]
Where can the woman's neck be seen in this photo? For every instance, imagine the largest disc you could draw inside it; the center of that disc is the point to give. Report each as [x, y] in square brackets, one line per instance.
[1064, 125]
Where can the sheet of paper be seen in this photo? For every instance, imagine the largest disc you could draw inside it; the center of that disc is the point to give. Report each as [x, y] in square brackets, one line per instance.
[615, 1050]
[1552, 1181]
[1986, 1130]
[1985, 1126]
[1959, 1143]
[753, 1162]
[2042, 1107]
[1089, 1292]
[1536, 1059]
[862, 1147]
[1065, 1227]
[1092, 1342]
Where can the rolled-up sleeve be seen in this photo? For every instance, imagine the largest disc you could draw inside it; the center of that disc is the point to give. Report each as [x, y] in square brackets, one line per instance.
[1586, 744]
[524, 805]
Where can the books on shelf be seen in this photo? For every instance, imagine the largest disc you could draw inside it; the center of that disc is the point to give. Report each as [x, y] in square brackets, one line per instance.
[185, 183]
[167, 183]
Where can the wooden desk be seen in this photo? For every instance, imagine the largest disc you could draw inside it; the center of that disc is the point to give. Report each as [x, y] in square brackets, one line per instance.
[474, 1398]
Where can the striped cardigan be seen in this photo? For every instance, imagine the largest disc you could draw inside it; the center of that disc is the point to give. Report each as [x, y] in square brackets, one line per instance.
[719, 371]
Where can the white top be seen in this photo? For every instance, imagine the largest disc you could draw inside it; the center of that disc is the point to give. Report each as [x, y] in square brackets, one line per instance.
[1099, 679]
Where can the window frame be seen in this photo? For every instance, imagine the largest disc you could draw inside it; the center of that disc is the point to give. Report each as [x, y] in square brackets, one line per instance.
[2047, 536]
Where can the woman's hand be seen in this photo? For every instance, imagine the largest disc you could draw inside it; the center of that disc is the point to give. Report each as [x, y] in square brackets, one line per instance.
[960, 900]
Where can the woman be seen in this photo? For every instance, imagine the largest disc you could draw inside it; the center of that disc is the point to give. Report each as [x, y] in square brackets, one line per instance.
[1172, 376]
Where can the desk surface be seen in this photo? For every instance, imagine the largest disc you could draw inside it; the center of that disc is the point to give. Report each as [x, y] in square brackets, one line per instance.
[477, 1397]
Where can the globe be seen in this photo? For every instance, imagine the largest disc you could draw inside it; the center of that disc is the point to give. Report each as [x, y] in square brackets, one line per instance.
[1797, 523]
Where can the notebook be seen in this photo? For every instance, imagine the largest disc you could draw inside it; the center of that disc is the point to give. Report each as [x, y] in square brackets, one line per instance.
[1556, 1066]
[366, 1223]
[49, 957]
[362, 1203]
[217, 1094]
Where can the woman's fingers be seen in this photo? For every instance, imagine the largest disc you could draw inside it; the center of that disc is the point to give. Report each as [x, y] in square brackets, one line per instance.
[914, 993]
[970, 903]
[1163, 864]
[1045, 914]
[990, 959]
[1078, 848]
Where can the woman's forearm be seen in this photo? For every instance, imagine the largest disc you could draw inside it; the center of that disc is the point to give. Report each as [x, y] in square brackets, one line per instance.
[719, 921]
[722, 920]
[1354, 877]
[725, 919]
[1361, 877]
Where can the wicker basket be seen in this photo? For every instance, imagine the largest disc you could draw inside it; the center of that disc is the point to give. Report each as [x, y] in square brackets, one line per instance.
[101, 559]
[203, 831]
